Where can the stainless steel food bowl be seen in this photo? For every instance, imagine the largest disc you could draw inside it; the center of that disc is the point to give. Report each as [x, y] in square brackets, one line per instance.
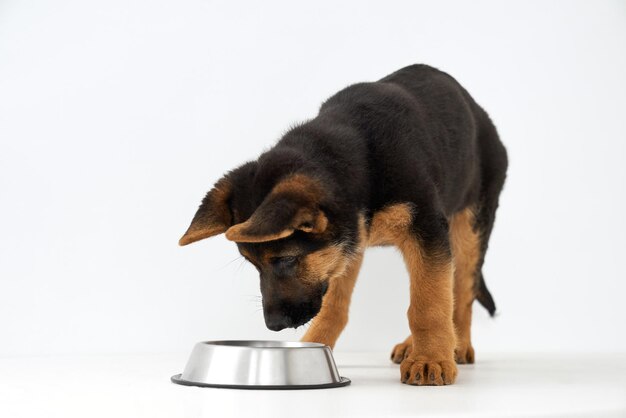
[261, 365]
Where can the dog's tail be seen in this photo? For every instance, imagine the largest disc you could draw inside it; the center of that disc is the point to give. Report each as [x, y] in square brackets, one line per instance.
[484, 297]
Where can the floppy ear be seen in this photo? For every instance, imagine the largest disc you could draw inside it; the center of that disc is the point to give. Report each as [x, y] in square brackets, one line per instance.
[293, 204]
[213, 216]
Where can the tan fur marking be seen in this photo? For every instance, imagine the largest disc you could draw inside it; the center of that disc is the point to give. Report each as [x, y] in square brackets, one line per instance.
[215, 217]
[389, 225]
[237, 233]
[311, 222]
[333, 317]
[465, 242]
[192, 236]
[304, 186]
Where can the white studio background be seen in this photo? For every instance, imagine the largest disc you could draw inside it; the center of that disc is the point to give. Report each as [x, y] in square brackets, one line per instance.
[117, 116]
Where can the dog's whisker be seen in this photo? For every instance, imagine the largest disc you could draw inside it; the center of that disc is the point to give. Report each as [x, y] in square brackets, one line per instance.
[240, 266]
[230, 262]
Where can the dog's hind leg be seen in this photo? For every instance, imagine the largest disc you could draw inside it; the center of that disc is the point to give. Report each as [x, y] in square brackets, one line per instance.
[465, 243]
[333, 316]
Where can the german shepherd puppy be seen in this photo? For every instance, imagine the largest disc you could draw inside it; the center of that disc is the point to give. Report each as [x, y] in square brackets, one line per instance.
[410, 160]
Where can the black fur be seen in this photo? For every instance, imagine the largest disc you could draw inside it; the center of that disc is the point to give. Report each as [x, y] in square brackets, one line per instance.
[414, 136]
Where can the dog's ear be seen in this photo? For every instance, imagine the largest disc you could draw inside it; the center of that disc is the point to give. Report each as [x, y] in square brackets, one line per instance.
[293, 204]
[213, 216]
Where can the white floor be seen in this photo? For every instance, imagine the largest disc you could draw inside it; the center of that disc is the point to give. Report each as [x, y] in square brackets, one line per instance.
[139, 386]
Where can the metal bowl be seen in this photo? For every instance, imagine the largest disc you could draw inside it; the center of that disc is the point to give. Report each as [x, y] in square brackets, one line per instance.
[261, 365]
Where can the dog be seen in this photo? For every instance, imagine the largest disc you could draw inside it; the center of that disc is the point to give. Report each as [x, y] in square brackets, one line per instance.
[409, 161]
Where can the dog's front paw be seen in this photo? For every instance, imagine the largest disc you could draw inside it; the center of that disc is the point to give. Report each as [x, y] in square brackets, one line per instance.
[402, 350]
[464, 353]
[419, 370]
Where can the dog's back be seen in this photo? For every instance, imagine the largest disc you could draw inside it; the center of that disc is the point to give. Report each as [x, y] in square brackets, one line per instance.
[419, 120]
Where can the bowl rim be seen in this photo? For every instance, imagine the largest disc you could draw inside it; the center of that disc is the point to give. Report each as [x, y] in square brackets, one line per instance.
[343, 381]
[264, 344]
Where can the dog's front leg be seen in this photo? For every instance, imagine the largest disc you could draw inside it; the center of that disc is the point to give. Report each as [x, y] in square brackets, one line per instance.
[431, 362]
[333, 316]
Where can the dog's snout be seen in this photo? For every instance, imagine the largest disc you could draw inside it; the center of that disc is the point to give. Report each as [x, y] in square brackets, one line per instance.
[276, 321]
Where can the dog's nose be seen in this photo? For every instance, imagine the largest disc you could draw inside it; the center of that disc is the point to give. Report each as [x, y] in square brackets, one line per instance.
[277, 321]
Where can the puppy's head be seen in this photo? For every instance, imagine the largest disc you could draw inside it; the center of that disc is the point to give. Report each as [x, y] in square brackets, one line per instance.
[285, 231]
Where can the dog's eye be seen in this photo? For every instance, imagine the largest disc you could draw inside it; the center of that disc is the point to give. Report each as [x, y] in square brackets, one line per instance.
[285, 261]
